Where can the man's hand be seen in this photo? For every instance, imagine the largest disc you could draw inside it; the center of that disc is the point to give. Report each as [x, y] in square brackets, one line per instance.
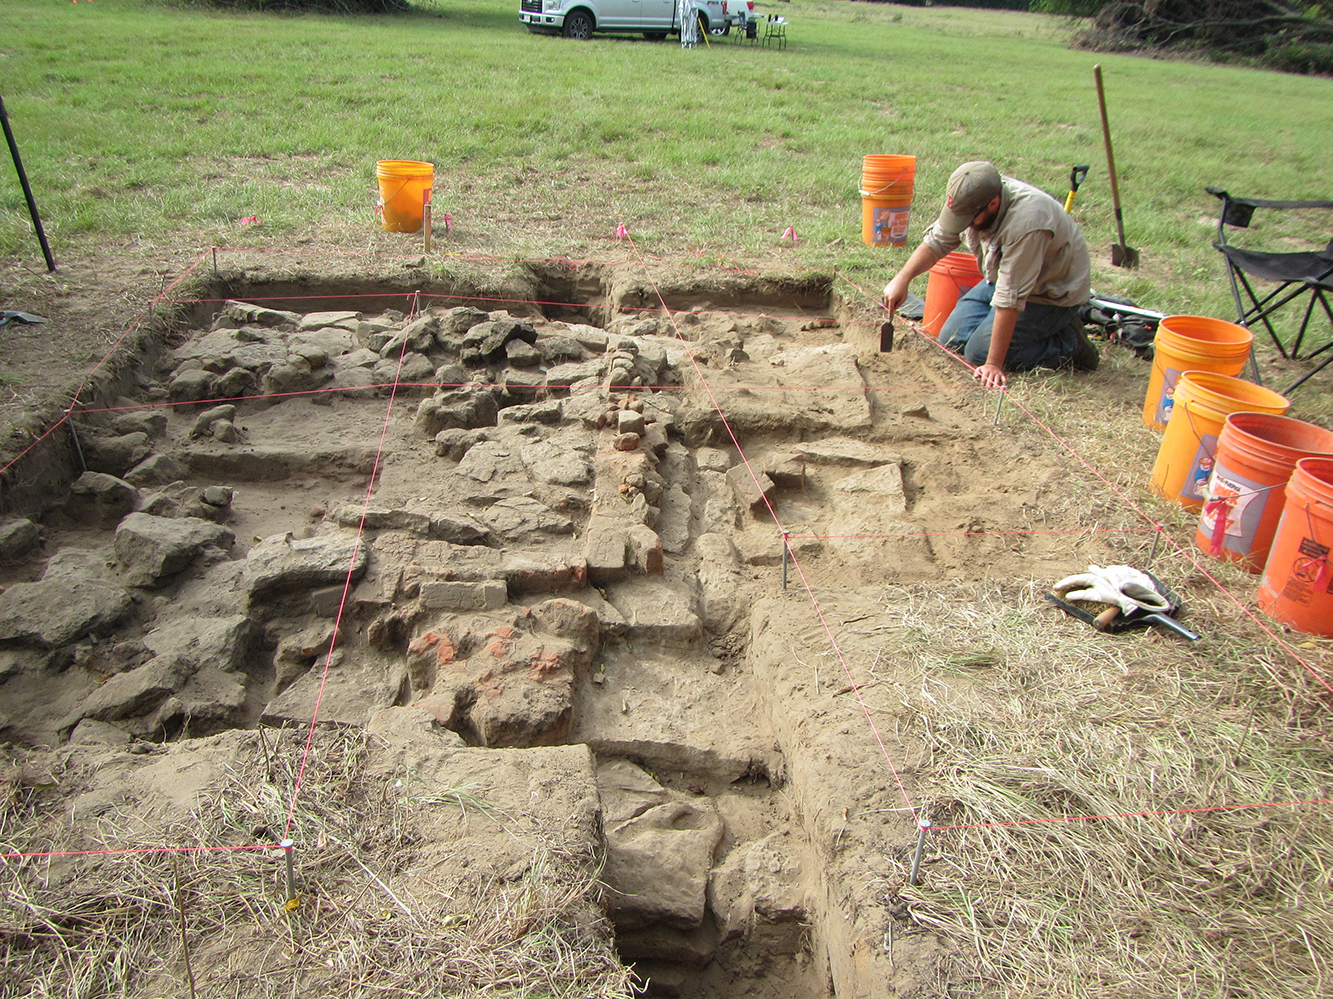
[990, 375]
[923, 258]
[895, 292]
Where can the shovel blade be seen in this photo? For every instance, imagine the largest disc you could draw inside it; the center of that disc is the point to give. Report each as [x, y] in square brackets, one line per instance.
[1124, 256]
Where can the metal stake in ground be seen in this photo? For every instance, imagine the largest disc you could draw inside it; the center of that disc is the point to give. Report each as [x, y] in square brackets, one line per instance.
[785, 536]
[292, 901]
[998, 403]
[27, 191]
[923, 827]
[74, 436]
[425, 220]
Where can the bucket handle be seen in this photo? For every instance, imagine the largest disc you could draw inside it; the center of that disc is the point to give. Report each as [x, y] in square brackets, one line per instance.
[1310, 521]
[1198, 437]
[1324, 563]
[406, 181]
[872, 194]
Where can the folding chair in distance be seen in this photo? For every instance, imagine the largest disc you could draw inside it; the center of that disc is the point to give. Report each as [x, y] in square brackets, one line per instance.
[1304, 275]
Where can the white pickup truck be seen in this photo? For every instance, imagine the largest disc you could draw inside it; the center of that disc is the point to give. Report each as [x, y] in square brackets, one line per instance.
[654, 18]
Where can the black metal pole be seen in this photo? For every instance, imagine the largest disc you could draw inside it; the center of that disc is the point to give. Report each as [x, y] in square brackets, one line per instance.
[27, 191]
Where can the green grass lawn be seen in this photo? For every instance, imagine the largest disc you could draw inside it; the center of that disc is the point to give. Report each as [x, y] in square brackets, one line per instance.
[149, 132]
[138, 121]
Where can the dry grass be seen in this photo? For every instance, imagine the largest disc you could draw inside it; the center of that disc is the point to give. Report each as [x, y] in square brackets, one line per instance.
[125, 924]
[1032, 719]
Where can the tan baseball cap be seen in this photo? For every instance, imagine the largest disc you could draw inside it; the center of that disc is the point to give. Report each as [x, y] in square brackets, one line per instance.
[971, 189]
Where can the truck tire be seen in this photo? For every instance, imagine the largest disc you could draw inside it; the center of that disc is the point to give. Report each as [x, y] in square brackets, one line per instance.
[578, 24]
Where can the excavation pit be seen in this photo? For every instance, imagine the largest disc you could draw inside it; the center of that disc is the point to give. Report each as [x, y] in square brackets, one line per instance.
[538, 526]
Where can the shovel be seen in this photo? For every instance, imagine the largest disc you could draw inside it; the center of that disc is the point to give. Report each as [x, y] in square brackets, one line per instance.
[1113, 621]
[1076, 177]
[1121, 254]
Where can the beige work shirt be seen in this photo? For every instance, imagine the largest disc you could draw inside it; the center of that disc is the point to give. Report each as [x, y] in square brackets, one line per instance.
[1033, 250]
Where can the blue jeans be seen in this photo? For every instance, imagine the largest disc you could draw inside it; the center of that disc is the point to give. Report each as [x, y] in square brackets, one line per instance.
[1044, 335]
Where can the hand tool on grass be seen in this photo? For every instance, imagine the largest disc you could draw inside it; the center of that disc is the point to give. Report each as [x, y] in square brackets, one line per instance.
[1132, 599]
[1122, 255]
[1077, 175]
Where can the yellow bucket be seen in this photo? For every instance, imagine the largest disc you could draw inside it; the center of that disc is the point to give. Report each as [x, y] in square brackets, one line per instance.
[1203, 401]
[1190, 343]
[405, 187]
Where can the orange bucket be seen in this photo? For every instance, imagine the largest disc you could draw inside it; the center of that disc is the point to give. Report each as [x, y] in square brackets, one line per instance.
[1190, 343]
[1297, 585]
[886, 198]
[1256, 455]
[952, 275]
[405, 187]
[1203, 401]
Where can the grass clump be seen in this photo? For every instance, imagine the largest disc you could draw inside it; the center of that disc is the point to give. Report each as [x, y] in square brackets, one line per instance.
[1092, 798]
[369, 922]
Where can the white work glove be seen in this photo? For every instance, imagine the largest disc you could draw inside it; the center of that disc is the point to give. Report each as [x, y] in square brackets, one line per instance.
[1122, 585]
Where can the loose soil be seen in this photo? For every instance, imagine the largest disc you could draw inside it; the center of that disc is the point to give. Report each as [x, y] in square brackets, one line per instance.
[755, 710]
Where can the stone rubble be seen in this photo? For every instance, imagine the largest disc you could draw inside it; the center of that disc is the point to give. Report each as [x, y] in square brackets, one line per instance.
[585, 504]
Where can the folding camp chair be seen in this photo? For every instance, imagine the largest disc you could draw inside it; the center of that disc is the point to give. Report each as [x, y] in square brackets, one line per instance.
[1300, 275]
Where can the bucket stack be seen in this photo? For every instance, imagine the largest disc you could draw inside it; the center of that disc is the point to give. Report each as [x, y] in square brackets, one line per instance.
[886, 198]
[1297, 585]
[1203, 400]
[1256, 456]
[1191, 343]
[1261, 481]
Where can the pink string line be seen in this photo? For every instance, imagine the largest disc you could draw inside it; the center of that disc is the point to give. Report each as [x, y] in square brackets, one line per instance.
[1128, 501]
[442, 297]
[44, 435]
[1135, 815]
[347, 586]
[828, 631]
[166, 404]
[135, 325]
[476, 257]
[134, 850]
[974, 534]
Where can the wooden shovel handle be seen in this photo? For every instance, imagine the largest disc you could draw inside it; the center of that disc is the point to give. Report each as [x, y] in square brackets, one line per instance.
[1103, 620]
[1110, 156]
